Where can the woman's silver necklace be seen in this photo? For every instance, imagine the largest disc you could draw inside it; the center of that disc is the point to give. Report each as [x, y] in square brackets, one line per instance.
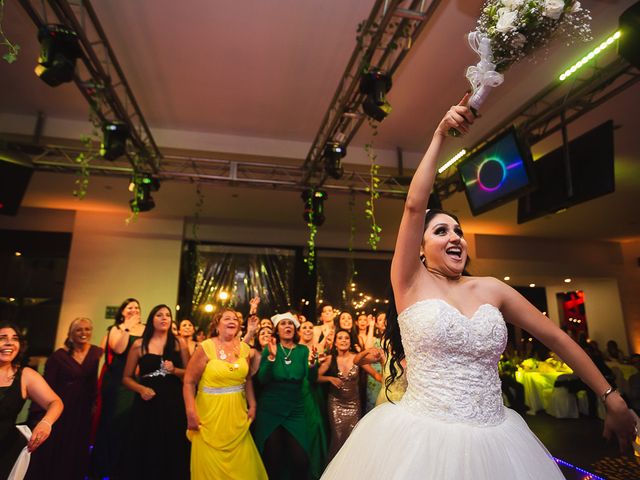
[222, 355]
[287, 359]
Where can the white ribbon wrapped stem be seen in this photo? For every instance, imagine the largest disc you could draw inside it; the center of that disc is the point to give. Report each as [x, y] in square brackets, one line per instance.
[482, 76]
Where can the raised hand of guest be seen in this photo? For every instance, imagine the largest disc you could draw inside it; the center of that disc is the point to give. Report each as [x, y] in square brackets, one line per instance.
[313, 356]
[253, 305]
[252, 323]
[273, 348]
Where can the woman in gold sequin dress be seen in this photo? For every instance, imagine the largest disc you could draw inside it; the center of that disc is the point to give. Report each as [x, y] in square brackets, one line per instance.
[344, 404]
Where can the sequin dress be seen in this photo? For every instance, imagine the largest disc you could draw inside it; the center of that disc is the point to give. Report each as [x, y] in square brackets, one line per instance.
[451, 423]
[344, 408]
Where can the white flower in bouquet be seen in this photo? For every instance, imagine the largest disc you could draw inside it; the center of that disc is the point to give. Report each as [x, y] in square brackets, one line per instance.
[553, 8]
[512, 4]
[509, 30]
[506, 20]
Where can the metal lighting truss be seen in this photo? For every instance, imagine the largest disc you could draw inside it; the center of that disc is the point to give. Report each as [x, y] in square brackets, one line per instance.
[254, 174]
[553, 108]
[99, 76]
[383, 41]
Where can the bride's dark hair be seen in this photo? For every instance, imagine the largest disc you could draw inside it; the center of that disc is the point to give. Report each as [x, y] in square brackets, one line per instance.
[392, 340]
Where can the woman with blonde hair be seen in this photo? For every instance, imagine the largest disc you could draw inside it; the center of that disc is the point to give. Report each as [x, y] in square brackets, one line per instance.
[72, 372]
[219, 415]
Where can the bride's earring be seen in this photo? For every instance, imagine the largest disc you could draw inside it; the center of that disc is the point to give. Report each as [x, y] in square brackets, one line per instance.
[422, 258]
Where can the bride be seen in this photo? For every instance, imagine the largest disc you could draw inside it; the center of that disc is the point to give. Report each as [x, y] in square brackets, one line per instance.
[451, 422]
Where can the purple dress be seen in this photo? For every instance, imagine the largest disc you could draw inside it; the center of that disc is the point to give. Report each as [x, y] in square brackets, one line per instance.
[65, 454]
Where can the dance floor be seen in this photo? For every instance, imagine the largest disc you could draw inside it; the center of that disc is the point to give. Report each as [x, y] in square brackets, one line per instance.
[579, 442]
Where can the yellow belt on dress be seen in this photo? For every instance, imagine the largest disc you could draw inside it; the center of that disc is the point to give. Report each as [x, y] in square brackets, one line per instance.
[223, 390]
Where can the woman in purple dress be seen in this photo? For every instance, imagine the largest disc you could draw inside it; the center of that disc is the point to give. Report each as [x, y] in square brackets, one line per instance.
[72, 372]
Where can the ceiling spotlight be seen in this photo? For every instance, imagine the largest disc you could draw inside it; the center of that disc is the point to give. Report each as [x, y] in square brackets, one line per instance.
[507, 278]
[59, 49]
[114, 140]
[333, 154]
[567, 280]
[532, 285]
[147, 185]
[314, 206]
[375, 84]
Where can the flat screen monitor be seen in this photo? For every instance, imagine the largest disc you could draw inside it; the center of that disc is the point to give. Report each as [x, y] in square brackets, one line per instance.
[590, 169]
[496, 174]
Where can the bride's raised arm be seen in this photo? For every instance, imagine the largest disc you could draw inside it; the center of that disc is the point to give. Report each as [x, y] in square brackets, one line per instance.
[406, 262]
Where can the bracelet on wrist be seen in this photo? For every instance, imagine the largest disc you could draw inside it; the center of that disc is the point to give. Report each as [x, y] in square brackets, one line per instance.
[45, 421]
[607, 392]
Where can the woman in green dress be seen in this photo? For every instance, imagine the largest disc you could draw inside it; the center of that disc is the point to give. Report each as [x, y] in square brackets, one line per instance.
[281, 428]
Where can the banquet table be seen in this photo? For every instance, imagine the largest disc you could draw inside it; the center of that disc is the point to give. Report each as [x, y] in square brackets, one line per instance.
[623, 373]
[538, 385]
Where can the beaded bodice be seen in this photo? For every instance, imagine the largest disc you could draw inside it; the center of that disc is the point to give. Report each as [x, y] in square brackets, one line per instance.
[452, 362]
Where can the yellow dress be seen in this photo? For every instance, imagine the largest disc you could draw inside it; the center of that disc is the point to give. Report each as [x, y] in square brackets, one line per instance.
[223, 448]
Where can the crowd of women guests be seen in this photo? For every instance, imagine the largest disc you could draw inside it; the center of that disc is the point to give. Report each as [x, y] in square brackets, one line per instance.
[263, 398]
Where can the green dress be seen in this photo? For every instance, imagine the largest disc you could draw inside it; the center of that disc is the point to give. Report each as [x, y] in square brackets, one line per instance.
[282, 396]
[314, 406]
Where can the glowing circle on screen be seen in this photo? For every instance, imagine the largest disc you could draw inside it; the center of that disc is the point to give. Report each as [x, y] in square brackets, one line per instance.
[491, 174]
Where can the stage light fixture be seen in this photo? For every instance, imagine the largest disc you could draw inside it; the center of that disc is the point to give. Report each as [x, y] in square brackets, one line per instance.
[333, 154]
[314, 206]
[147, 185]
[375, 84]
[114, 140]
[59, 49]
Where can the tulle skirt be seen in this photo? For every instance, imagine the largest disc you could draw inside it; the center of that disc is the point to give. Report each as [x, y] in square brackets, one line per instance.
[392, 442]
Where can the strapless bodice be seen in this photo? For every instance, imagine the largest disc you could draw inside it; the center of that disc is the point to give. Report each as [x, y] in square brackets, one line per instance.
[452, 362]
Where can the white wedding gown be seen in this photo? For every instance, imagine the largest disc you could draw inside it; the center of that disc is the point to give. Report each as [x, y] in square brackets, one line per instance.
[451, 423]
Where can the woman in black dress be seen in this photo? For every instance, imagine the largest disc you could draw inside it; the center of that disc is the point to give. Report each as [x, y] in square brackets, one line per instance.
[157, 443]
[16, 385]
[115, 401]
[72, 372]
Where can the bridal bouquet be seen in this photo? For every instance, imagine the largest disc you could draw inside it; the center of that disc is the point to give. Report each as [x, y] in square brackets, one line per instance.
[509, 30]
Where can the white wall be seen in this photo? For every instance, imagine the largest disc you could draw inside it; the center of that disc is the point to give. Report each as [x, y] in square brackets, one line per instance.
[110, 261]
[603, 309]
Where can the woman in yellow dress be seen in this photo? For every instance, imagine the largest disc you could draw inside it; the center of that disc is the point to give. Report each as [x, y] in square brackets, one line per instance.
[219, 416]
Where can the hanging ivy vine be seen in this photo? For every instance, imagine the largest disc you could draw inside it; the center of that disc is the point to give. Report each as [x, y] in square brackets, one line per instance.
[351, 267]
[138, 192]
[12, 48]
[91, 151]
[310, 259]
[197, 212]
[372, 189]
